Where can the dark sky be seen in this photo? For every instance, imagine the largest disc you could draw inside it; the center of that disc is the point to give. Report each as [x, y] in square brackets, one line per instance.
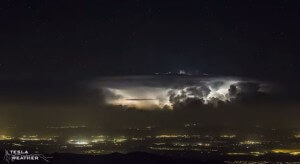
[49, 49]
[93, 38]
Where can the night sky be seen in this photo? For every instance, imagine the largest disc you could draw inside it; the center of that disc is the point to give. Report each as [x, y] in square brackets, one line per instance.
[57, 59]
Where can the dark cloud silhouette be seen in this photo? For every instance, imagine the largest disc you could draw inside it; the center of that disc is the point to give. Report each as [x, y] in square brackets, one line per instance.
[232, 91]
[246, 91]
[199, 91]
[189, 104]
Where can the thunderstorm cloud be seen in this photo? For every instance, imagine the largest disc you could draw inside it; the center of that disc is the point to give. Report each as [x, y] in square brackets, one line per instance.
[172, 92]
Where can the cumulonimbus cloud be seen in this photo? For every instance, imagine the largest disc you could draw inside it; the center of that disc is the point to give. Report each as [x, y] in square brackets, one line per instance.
[169, 92]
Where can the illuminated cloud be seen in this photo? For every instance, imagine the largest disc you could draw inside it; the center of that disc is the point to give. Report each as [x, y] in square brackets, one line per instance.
[166, 92]
[138, 97]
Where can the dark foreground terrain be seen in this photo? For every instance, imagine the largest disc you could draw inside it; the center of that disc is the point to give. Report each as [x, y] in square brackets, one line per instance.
[147, 158]
[132, 158]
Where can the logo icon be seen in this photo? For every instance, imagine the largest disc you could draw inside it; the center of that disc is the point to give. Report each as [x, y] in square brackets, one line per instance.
[23, 155]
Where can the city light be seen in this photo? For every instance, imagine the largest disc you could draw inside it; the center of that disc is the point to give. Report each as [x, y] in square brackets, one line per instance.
[249, 142]
[171, 136]
[297, 135]
[228, 136]
[78, 142]
[287, 151]
[5, 137]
